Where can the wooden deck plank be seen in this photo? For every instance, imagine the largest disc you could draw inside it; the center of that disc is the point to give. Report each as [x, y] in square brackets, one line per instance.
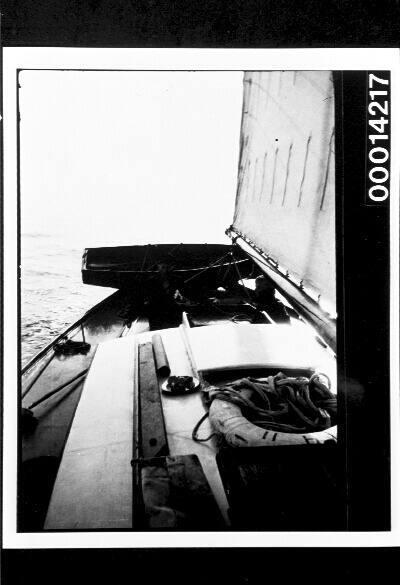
[93, 488]
[153, 440]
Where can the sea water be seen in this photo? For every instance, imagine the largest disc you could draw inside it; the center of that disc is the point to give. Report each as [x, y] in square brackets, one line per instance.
[52, 293]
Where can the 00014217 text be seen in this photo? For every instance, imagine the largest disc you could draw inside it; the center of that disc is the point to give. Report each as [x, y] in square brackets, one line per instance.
[378, 144]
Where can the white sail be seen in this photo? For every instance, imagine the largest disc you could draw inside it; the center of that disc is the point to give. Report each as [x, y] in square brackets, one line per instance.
[285, 202]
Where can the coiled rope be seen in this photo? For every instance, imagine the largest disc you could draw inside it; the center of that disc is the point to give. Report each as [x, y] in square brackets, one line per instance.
[280, 403]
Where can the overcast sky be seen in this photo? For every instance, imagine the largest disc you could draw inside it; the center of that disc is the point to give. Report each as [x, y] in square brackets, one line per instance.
[111, 158]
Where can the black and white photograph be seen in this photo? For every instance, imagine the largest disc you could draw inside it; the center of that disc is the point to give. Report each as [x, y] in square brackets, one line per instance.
[202, 297]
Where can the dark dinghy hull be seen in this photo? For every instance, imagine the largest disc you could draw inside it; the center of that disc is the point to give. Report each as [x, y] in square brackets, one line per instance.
[124, 266]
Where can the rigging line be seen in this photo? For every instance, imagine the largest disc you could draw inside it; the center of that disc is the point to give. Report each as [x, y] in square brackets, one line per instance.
[290, 282]
[37, 376]
[61, 387]
[228, 269]
[207, 267]
[173, 266]
[174, 248]
[65, 394]
[168, 254]
[154, 263]
[262, 261]
[241, 279]
[161, 262]
[145, 258]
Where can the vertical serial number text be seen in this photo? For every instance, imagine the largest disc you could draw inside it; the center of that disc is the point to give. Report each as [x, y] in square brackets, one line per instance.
[378, 142]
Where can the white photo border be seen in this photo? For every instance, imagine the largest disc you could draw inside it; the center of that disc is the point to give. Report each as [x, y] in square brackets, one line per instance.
[15, 59]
